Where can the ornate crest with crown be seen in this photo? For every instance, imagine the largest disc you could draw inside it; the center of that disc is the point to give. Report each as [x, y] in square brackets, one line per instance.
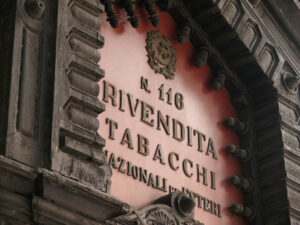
[161, 54]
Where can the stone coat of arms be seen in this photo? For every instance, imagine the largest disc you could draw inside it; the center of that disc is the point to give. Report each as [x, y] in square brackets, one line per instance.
[161, 54]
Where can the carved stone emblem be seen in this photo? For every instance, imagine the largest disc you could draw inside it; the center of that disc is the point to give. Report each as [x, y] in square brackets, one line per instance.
[161, 53]
[172, 209]
[160, 217]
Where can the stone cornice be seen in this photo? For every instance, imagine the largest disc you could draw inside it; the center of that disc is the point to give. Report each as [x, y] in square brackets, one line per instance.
[266, 32]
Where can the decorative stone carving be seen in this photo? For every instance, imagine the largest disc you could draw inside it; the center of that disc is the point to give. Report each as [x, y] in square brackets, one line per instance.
[183, 205]
[219, 80]
[290, 82]
[251, 35]
[112, 17]
[201, 57]
[160, 217]
[164, 211]
[157, 214]
[291, 139]
[87, 15]
[236, 125]
[268, 59]
[35, 8]
[153, 16]
[289, 112]
[243, 155]
[184, 33]
[77, 147]
[233, 12]
[86, 44]
[132, 16]
[246, 212]
[245, 184]
[161, 54]
[23, 119]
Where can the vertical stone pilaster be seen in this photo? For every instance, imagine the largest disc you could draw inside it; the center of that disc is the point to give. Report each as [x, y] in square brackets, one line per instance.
[26, 81]
[76, 145]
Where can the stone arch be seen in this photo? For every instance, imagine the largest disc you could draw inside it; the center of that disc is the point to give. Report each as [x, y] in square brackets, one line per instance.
[268, 147]
[252, 93]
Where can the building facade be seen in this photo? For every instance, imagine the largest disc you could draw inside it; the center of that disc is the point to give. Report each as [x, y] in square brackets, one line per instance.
[53, 165]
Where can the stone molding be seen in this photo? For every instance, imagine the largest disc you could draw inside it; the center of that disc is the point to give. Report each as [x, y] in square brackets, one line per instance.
[40, 196]
[76, 145]
[278, 59]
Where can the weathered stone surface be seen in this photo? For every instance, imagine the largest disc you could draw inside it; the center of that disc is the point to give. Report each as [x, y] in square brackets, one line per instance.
[76, 145]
